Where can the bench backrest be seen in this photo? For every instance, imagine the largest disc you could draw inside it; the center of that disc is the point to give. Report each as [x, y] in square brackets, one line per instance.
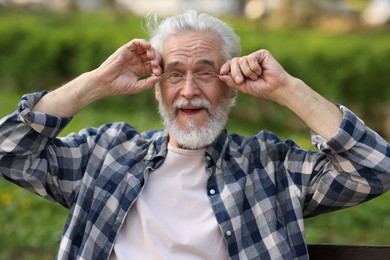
[353, 252]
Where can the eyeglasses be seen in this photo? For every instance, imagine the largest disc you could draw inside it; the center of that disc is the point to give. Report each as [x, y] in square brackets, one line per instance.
[201, 79]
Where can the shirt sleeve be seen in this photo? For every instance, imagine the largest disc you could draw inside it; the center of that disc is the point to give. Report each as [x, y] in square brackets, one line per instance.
[45, 124]
[355, 168]
[25, 158]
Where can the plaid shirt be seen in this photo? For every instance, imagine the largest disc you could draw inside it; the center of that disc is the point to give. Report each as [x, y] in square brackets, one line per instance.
[260, 187]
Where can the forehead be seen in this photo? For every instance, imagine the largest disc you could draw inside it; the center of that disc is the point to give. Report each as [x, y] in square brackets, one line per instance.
[192, 49]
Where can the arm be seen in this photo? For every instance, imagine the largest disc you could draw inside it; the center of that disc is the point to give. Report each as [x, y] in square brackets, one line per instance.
[31, 155]
[354, 163]
[260, 75]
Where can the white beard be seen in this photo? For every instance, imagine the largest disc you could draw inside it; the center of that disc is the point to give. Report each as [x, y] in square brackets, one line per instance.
[194, 137]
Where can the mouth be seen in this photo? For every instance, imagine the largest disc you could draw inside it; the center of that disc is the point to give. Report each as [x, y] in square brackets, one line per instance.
[191, 107]
[191, 110]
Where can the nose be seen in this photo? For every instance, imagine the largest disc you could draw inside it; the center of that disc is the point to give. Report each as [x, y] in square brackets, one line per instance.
[189, 89]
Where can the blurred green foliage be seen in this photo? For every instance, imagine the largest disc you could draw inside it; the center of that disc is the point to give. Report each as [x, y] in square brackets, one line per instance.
[44, 50]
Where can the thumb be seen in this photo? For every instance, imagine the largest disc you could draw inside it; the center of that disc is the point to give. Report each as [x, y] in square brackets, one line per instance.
[143, 84]
[151, 81]
[148, 82]
[229, 81]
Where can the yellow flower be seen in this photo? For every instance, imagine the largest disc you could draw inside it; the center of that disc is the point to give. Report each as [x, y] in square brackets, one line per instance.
[6, 198]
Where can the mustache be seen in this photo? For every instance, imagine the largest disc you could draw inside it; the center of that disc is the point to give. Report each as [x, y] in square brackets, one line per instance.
[196, 102]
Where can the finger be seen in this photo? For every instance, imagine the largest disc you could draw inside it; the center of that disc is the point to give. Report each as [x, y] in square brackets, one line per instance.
[229, 81]
[254, 64]
[147, 68]
[225, 68]
[141, 49]
[150, 81]
[152, 58]
[143, 57]
[153, 67]
[156, 64]
[235, 71]
[137, 43]
[146, 56]
[157, 71]
[246, 68]
[151, 53]
[145, 83]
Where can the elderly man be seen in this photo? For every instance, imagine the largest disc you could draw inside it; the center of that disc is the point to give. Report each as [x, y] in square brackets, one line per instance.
[190, 191]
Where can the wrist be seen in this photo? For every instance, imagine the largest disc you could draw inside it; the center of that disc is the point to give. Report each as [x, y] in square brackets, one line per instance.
[288, 94]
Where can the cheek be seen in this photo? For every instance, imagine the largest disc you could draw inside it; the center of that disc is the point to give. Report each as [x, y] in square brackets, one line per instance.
[161, 94]
[218, 95]
[166, 97]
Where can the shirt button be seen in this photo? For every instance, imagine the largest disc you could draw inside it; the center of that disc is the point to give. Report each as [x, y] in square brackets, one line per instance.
[228, 233]
[208, 157]
[212, 191]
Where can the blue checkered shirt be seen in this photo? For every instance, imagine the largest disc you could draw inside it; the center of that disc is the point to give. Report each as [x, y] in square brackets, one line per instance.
[260, 187]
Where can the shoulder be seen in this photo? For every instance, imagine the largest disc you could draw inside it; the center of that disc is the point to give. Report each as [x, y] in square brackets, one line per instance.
[111, 130]
[114, 133]
[260, 138]
[263, 142]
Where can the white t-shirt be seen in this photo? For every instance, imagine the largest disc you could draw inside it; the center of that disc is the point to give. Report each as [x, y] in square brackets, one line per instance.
[172, 218]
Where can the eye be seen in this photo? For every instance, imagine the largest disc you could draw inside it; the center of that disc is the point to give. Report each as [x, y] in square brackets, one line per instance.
[172, 78]
[206, 74]
[175, 75]
[205, 78]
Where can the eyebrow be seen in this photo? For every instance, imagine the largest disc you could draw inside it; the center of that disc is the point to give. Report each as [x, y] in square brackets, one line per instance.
[206, 62]
[199, 62]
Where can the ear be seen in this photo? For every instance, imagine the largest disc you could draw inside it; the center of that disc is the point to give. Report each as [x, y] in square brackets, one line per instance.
[157, 92]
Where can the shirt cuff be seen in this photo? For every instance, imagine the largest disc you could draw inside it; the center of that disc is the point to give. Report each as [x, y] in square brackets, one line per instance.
[45, 124]
[350, 132]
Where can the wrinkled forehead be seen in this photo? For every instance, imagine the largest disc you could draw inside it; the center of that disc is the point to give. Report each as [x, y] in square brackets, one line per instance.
[196, 64]
[192, 49]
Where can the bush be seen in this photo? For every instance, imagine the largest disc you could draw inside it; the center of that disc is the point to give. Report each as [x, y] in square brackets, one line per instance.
[43, 51]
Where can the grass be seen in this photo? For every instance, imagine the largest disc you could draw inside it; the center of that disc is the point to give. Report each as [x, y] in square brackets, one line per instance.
[30, 226]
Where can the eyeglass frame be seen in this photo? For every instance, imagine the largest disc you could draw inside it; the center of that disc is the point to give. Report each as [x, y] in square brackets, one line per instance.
[195, 78]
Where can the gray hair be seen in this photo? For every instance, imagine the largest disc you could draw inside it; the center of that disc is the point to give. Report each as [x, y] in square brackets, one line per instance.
[192, 20]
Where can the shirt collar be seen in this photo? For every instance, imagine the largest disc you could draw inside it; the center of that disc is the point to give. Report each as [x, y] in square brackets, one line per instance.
[158, 147]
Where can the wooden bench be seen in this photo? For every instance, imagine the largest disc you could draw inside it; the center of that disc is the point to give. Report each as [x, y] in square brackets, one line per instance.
[350, 252]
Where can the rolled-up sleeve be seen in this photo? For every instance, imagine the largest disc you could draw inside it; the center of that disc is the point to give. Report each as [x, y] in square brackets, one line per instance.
[44, 124]
[24, 157]
[356, 168]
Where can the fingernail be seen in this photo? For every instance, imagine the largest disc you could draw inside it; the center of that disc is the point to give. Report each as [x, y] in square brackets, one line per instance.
[238, 79]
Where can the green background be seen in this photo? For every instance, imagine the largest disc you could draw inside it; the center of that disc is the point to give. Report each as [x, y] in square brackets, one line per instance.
[44, 50]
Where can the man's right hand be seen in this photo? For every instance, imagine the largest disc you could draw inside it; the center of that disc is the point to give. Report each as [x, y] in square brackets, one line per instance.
[124, 72]
[132, 68]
